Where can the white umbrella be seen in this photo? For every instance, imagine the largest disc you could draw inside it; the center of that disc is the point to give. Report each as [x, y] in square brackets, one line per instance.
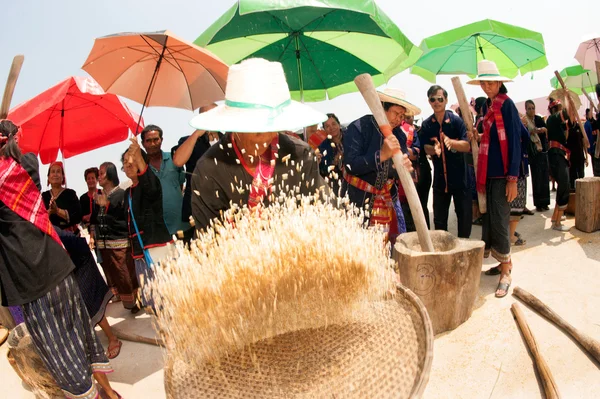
[588, 53]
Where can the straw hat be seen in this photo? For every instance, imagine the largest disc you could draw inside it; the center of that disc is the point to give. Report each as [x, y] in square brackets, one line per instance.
[488, 71]
[395, 96]
[257, 100]
[385, 351]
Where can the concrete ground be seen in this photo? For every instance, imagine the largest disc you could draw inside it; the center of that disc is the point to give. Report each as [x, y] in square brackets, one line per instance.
[484, 358]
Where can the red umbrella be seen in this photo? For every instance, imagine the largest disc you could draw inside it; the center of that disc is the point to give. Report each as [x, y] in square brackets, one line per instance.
[74, 116]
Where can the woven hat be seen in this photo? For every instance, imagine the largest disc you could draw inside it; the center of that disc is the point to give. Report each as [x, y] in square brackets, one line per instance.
[488, 71]
[257, 100]
[395, 96]
[385, 351]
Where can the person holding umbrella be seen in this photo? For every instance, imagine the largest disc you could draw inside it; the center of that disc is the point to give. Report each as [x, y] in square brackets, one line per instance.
[498, 168]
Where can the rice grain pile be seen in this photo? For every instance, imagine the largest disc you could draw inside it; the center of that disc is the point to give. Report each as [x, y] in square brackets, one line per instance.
[290, 266]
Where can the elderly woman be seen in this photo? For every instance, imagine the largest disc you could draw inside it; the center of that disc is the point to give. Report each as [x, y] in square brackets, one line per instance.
[62, 203]
[498, 168]
[150, 237]
[111, 233]
[42, 283]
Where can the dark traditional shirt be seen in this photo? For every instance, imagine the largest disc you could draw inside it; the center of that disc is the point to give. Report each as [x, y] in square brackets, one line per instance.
[146, 201]
[362, 154]
[557, 131]
[202, 145]
[512, 126]
[68, 201]
[454, 128]
[87, 203]
[111, 228]
[219, 179]
[589, 129]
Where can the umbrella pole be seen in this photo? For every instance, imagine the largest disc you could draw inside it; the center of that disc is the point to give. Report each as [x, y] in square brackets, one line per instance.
[151, 85]
[300, 82]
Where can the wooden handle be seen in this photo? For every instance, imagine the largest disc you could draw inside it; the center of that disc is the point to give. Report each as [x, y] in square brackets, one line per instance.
[11, 82]
[365, 85]
[465, 110]
[590, 344]
[598, 71]
[548, 383]
[572, 111]
[589, 98]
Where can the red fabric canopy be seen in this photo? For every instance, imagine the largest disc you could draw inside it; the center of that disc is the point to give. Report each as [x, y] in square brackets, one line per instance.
[75, 116]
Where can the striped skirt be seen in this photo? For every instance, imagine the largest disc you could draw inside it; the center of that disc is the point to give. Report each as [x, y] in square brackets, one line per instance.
[63, 335]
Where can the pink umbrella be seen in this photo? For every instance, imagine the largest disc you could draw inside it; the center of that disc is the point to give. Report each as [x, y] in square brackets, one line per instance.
[541, 106]
[74, 116]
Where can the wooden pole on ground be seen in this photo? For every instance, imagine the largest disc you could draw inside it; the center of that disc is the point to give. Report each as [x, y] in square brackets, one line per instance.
[548, 383]
[465, 110]
[590, 344]
[364, 83]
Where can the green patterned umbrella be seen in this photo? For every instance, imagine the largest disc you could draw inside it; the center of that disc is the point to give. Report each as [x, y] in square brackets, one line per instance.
[576, 78]
[457, 51]
[322, 44]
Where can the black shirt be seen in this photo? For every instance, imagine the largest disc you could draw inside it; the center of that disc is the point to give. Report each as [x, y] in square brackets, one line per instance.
[146, 201]
[456, 166]
[68, 201]
[210, 177]
[201, 146]
[111, 221]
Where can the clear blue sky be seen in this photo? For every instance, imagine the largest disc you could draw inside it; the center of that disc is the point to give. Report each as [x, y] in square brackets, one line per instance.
[56, 37]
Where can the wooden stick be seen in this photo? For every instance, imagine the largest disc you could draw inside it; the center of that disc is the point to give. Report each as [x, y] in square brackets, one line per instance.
[589, 98]
[590, 344]
[136, 338]
[465, 110]
[364, 83]
[572, 110]
[598, 71]
[548, 383]
[11, 82]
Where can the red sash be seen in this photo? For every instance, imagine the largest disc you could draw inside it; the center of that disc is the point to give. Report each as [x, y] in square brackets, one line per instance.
[494, 114]
[556, 144]
[262, 182]
[20, 194]
[382, 209]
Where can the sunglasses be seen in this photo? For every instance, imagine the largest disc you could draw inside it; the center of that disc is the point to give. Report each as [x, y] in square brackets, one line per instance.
[439, 99]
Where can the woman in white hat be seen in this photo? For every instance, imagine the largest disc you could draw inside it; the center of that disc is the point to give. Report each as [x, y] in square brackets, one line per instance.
[254, 159]
[500, 158]
[368, 164]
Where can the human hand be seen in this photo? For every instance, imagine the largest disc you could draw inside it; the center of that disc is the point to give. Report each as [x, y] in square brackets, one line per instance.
[52, 208]
[436, 146]
[448, 142]
[406, 162]
[92, 244]
[389, 147]
[86, 219]
[511, 190]
[101, 200]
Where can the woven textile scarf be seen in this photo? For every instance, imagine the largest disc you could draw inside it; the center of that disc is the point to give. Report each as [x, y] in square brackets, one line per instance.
[20, 194]
[262, 181]
[494, 114]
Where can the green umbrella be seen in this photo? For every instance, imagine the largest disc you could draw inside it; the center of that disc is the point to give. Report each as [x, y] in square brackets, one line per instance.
[458, 51]
[322, 44]
[576, 78]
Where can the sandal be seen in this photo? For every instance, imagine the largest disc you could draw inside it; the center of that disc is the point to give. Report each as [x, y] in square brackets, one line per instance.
[561, 227]
[520, 242]
[528, 212]
[494, 271]
[503, 286]
[113, 351]
[478, 221]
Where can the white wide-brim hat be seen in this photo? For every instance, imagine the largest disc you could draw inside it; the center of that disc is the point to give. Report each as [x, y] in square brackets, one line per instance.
[488, 71]
[257, 100]
[395, 96]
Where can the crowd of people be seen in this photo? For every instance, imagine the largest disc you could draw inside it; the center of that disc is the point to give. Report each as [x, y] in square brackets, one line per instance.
[242, 153]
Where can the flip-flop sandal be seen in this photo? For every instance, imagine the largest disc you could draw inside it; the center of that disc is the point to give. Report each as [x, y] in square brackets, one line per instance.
[517, 234]
[504, 287]
[111, 349]
[561, 227]
[519, 242]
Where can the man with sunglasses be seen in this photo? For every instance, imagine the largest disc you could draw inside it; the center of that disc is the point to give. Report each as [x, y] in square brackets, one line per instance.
[444, 137]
